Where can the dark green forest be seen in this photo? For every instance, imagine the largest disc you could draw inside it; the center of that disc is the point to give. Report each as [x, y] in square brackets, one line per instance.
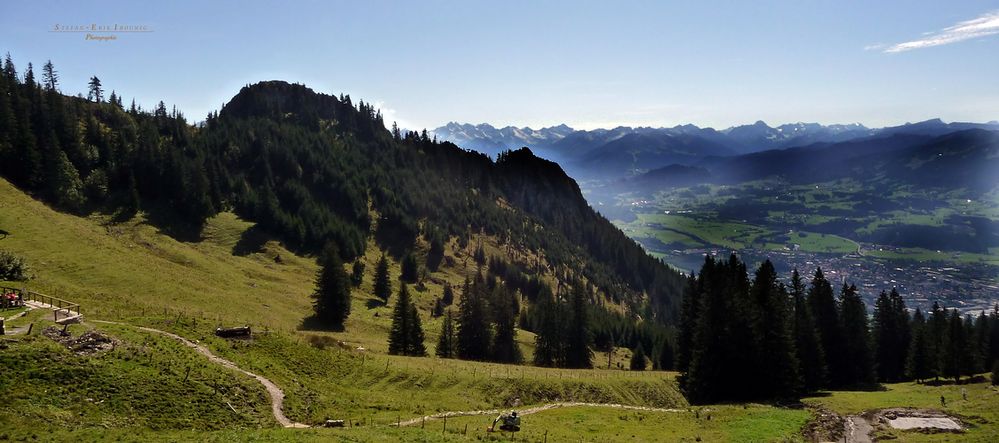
[318, 170]
[742, 340]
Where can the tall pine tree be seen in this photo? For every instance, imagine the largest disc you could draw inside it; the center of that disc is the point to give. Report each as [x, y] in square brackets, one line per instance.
[808, 346]
[859, 365]
[778, 365]
[406, 335]
[447, 346]
[474, 334]
[332, 295]
[383, 283]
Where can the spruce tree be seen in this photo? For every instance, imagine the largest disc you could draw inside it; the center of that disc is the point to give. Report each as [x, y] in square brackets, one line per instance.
[332, 295]
[577, 347]
[436, 253]
[383, 283]
[859, 365]
[825, 311]
[806, 339]
[49, 76]
[549, 332]
[779, 374]
[410, 269]
[447, 343]
[638, 362]
[416, 347]
[96, 92]
[936, 329]
[448, 295]
[918, 366]
[956, 355]
[995, 373]
[357, 273]
[474, 334]
[406, 334]
[688, 322]
[504, 346]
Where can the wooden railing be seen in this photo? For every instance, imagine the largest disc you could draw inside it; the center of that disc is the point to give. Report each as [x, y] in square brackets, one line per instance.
[58, 305]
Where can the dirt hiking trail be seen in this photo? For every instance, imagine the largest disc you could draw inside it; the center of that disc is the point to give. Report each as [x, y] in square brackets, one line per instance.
[276, 394]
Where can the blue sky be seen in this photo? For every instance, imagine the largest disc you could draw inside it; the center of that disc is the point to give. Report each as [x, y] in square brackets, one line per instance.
[539, 63]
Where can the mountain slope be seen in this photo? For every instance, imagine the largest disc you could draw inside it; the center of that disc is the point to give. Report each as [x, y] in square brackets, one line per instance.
[312, 170]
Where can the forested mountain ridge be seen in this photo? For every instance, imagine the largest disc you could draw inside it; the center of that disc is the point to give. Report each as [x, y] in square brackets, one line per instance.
[312, 169]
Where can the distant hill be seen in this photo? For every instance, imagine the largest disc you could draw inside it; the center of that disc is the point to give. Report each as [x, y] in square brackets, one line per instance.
[962, 159]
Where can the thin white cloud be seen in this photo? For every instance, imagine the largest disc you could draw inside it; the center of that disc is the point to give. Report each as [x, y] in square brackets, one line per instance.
[390, 115]
[985, 25]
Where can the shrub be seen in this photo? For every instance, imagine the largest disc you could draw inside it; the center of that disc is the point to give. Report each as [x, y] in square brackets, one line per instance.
[12, 267]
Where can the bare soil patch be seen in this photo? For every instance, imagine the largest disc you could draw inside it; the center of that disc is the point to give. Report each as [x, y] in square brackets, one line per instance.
[88, 343]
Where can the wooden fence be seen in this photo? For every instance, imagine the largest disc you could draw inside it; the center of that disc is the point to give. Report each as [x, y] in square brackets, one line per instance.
[59, 306]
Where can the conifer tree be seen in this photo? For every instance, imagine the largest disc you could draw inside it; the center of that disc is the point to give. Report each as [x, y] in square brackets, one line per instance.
[447, 343]
[825, 311]
[638, 362]
[859, 365]
[956, 353]
[65, 186]
[49, 76]
[383, 283]
[410, 269]
[995, 373]
[406, 334]
[779, 374]
[577, 347]
[891, 336]
[918, 366]
[810, 355]
[332, 295]
[936, 327]
[357, 273]
[448, 295]
[548, 341]
[96, 92]
[436, 253]
[688, 322]
[504, 346]
[474, 334]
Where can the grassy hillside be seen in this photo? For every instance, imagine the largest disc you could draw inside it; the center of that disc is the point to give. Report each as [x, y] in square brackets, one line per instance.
[133, 272]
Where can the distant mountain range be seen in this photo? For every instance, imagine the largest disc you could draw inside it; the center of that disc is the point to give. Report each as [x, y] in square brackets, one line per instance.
[965, 159]
[627, 151]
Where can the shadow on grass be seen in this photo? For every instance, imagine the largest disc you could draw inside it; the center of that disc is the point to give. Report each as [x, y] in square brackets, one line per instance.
[373, 303]
[311, 323]
[250, 241]
[169, 223]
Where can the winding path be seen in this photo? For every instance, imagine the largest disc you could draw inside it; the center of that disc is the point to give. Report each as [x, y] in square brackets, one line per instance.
[534, 410]
[277, 395]
[858, 429]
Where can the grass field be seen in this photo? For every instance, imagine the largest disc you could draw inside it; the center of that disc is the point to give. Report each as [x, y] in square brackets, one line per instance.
[698, 232]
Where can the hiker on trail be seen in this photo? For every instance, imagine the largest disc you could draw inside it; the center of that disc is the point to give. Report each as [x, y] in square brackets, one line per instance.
[964, 394]
[943, 402]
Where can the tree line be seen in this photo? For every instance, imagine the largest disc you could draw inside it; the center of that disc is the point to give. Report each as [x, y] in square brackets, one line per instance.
[741, 340]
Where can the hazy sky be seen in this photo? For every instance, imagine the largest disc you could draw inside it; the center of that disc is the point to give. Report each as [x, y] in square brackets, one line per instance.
[539, 63]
